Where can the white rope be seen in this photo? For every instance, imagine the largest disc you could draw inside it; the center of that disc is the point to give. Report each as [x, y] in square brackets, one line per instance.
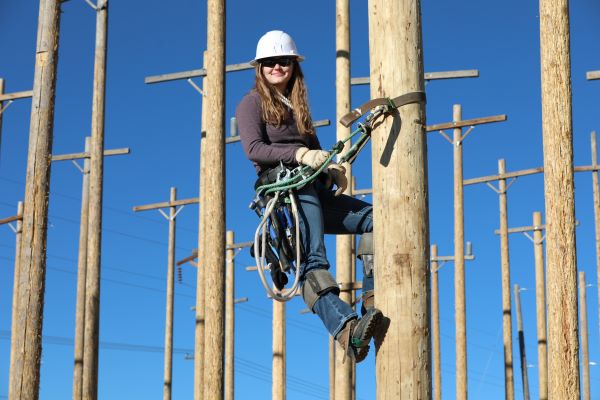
[261, 230]
[286, 101]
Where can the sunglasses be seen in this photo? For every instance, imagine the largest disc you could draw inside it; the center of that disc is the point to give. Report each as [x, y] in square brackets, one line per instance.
[282, 61]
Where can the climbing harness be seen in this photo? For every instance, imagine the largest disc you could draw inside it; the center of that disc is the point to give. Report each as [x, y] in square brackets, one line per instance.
[277, 245]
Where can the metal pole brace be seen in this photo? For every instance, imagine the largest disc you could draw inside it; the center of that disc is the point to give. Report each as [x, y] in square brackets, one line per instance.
[198, 89]
[168, 218]
[6, 106]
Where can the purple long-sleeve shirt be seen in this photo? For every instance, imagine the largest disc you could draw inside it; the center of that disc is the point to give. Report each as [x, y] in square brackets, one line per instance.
[266, 144]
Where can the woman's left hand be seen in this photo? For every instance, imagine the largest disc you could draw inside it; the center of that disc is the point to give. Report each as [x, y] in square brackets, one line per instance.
[336, 174]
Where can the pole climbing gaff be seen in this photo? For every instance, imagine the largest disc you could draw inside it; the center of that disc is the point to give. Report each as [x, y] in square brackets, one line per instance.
[276, 204]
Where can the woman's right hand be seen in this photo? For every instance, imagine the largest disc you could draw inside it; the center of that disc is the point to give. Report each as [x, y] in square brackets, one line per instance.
[311, 158]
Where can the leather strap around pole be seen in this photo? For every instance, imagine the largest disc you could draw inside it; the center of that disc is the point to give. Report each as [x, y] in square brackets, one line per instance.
[408, 98]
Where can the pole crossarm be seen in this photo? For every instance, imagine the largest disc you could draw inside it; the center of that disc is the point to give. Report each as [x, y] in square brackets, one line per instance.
[11, 219]
[468, 257]
[166, 204]
[77, 156]
[522, 229]
[16, 95]
[240, 245]
[188, 258]
[175, 76]
[592, 75]
[350, 286]
[524, 172]
[466, 122]
[429, 76]
[316, 124]
[194, 255]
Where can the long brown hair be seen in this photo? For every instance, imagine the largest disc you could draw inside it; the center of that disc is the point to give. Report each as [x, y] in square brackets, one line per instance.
[274, 111]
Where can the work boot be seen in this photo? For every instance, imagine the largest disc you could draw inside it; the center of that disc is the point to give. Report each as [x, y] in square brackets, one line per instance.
[368, 301]
[354, 338]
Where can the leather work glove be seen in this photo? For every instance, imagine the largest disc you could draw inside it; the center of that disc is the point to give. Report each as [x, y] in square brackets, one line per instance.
[336, 173]
[311, 158]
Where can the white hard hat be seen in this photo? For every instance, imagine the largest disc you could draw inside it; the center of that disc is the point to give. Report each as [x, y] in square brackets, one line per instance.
[276, 44]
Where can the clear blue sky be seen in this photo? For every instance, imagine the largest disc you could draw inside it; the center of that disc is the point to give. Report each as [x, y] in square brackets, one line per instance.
[161, 124]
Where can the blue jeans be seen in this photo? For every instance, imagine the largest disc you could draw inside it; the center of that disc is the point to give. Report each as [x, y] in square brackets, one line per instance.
[321, 212]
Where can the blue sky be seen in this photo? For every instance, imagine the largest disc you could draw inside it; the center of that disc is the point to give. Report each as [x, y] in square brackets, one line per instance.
[161, 124]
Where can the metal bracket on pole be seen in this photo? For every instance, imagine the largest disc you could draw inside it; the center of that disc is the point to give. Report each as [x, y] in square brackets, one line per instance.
[532, 239]
[6, 106]
[493, 187]
[12, 228]
[92, 5]
[167, 217]
[79, 167]
[467, 132]
[446, 137]
[198, 89]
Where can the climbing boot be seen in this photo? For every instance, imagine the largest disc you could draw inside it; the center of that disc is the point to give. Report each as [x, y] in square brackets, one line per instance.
[356, 335]
[368, 301]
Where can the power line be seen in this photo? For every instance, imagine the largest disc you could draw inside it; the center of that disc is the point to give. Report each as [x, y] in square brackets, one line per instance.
[112, 209]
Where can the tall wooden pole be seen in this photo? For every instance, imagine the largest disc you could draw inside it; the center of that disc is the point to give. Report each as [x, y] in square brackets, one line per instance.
[509, 388]
[200, 271]
[459, 262]
[168, 368]
[561, 258]
[596, 191]
[331, 368]
[212, 196]
[585, 354]
[25, 376]
[81, 279]
[435, 325]
[521, 344]
[229, 317]
[279, 358]
[343, 371]
[540, 305]
[16, 280]
[400, 203]
[92, 292]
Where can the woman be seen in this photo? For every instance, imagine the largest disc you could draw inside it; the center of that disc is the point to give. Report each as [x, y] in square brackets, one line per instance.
[275, 127]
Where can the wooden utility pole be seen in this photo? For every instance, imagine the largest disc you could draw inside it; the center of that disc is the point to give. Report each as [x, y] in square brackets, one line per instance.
[343, 371]
[460, 305]
[540, 305]
[92, 291]
[229, 316]
[81, 279]
[459, 231]
[596, 191]
[172, 205]
[509, 388]
[25, 375]
[561, 258]
[331, 368]
[18, 229]
[522, 344]
[435, 325]
[201, 271]
[279, 352]
[435, 266]
[585, 354]
[401, 225]
[212, 197]
[82, 259]
[168, 369]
